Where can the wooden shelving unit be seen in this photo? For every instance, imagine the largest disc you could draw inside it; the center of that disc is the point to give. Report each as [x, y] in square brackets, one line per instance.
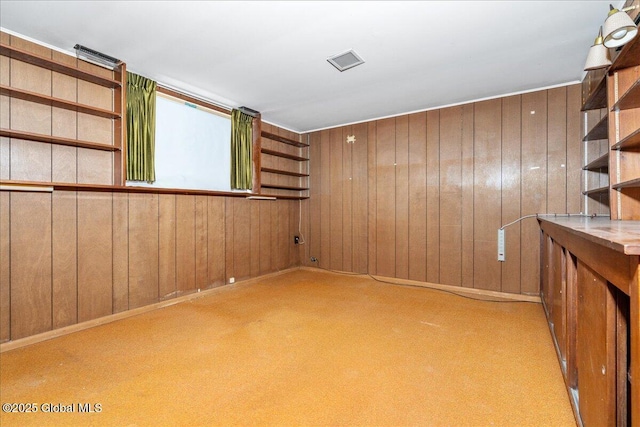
[630, 142]
[597, 98]
[290, 174]
[110, 131]
[596, 191]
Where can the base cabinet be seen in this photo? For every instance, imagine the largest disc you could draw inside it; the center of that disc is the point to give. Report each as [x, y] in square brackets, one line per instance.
[589, 290]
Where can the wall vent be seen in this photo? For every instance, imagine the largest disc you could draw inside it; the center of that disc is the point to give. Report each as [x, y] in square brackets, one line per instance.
[345, 60]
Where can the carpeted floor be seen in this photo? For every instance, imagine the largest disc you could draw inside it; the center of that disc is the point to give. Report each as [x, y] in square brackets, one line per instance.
[303, 348]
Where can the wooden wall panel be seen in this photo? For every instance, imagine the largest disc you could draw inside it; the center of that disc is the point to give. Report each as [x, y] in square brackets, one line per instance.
[385, 198]
[267, 235]
[347, 200]
[336, 178]
[242, 238]
[511, 190]
[534, 183]
[167, 285]
[325, 200]
[402, 197]
[487, 157]
[143, 249]
[202, 247]
[185, 244]
[467, 193]
[5, 265]
[372, 172]
[433, 196]
[216, 242]
[30, 264]
[438, 185]
[451, 196]
[359, 202]
[315, 193]
[95, 252]
[284, 239]
[65, 257]
[256, 226]
[120, 252]
[417, 187]
[557, 150]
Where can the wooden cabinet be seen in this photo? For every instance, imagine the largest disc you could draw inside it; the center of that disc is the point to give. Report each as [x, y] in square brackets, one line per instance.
[590, 291]
[52, 99]
[284, 166]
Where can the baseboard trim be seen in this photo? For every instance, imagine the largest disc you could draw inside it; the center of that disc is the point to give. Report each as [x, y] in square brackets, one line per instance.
[44, 336]
[479, 293]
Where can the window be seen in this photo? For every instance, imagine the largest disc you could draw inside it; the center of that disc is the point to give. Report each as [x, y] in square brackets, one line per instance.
[193, 146]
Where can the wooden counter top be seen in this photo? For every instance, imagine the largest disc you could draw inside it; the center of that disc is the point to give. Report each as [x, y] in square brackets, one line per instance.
[621, 236]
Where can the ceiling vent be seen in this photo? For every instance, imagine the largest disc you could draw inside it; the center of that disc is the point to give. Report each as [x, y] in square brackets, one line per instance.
[345, 60]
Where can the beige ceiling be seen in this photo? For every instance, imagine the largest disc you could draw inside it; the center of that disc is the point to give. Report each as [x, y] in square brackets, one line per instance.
[272, 56]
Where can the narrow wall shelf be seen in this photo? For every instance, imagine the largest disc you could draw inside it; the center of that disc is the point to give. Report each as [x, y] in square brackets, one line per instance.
[599, 131]
[283, 172]
[597, 191]
[56, 140]
[630, 99]
[633, 183]
[601, 162]
[630, 142]
[283, 155]
[41, 61]
[597, 98]
[56, 102]
[284, 140]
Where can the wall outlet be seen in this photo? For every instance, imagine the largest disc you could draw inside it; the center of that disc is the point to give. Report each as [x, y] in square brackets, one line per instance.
[314, 259]
[232, 280]
[296, 240]
[501, 244]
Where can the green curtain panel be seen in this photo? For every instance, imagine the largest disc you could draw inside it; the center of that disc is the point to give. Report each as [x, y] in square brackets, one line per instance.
[141, 128]
[241, 150]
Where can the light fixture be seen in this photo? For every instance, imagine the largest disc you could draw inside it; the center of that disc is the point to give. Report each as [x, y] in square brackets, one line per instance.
[95, 57]
[598, 56]
[618, 27]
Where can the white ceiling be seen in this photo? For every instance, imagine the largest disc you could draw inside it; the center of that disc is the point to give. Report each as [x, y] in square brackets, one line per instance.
[271, 56]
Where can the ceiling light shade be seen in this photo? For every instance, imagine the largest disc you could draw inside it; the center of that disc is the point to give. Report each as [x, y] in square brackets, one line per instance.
[598, 56]
[618, 28]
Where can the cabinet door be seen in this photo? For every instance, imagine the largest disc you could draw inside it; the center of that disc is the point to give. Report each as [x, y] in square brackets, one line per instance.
[596, 349]
[557, 277]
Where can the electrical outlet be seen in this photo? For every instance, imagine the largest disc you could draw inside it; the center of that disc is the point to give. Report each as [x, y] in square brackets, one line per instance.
[314, 259]
[501, 244]
[232, 280]
[296, 240]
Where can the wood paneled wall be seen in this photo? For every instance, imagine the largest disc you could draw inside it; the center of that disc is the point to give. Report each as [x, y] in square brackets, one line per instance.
[68, 257]
[421, 196]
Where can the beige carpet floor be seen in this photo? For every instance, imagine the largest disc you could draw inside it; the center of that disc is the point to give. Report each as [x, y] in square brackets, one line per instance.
[300, 349]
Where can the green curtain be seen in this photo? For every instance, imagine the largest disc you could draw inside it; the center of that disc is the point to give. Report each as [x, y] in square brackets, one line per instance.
[141, 128]
[241, 150]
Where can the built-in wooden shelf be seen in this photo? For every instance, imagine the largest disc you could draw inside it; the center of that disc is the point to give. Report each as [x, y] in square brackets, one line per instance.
[599, 131]
[281, 172]
[629, 142]
[284, 140]
[630, 99]
[56, 102]
[51, 64]
[56, 140]
[601, 162]
[629, 56]
[597, 98]
[633, 183]
[66, 186]
[604, 191]
[283, 187]
[283, 155]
